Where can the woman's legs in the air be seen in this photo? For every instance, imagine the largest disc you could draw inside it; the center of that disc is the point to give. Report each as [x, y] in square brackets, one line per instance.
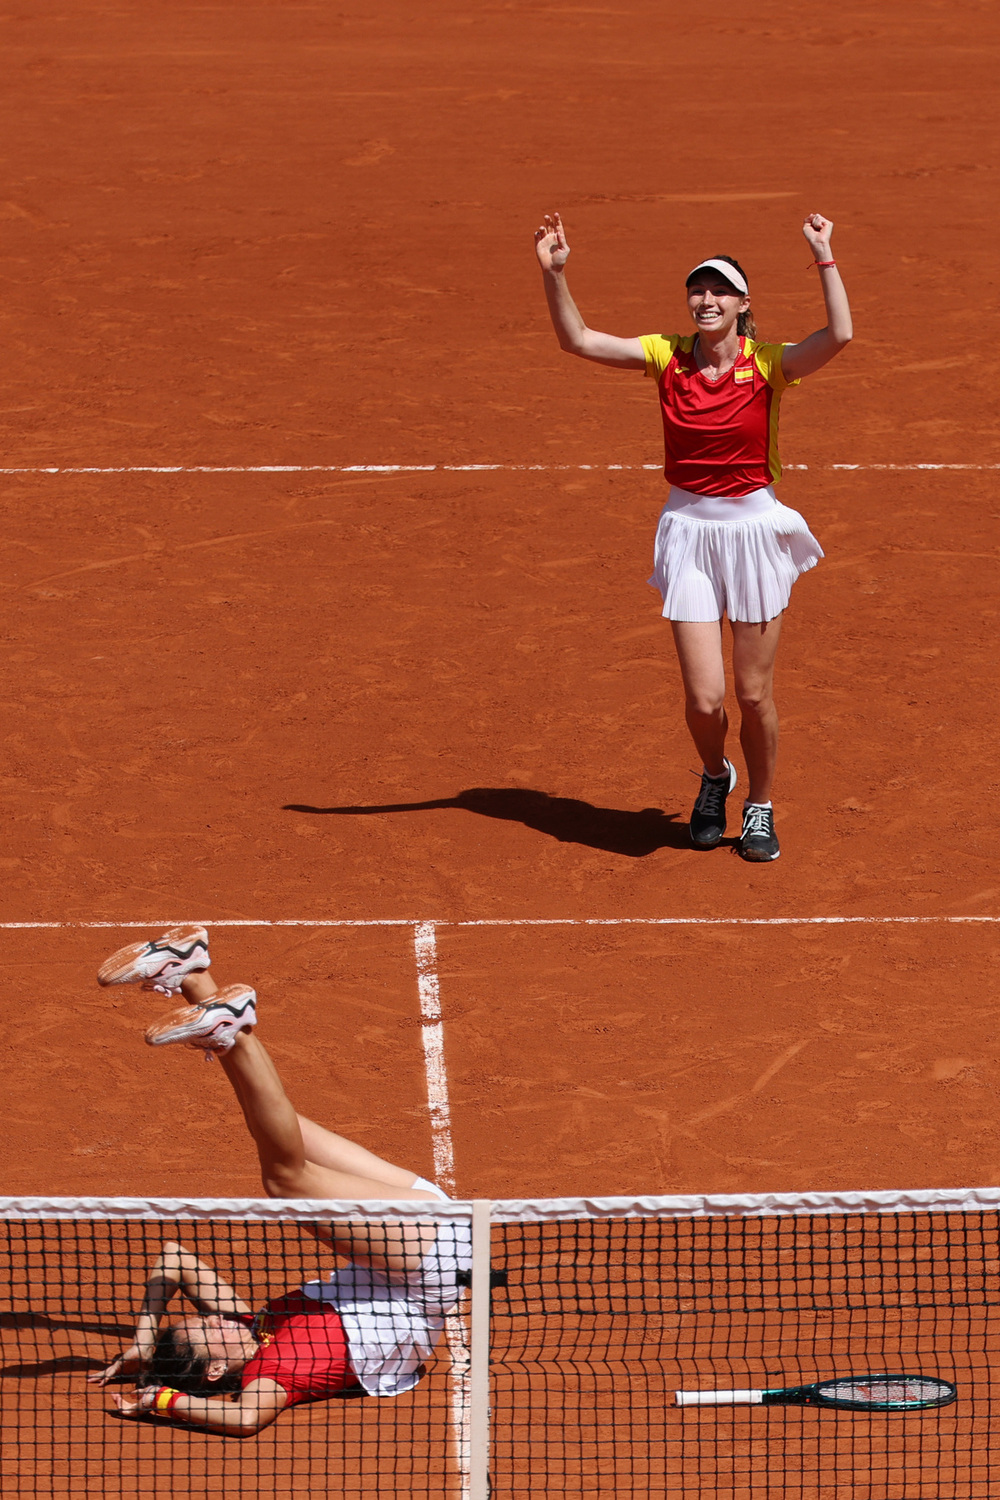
[287, 1173]
[298, 1159]
[345, 1171]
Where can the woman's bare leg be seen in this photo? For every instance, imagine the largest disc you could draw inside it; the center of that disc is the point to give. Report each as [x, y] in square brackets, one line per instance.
[754, 649]
[198, 988]
[321, 1146]
[346, 1171]
[326, 1149]
[699, 652]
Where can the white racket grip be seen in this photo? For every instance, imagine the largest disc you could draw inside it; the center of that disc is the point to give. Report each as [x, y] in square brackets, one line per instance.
[718, 1398]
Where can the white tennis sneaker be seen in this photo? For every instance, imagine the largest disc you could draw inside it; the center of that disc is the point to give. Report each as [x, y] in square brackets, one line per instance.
[160, 964]
[212, 1027]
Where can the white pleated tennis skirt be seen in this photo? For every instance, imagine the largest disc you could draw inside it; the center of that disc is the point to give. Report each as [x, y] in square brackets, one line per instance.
[716, 556]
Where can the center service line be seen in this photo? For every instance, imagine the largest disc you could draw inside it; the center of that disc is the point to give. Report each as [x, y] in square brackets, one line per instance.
[432, 1030]
[432, 1033]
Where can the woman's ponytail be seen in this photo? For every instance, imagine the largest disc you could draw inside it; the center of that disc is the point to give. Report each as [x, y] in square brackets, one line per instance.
[745, 325]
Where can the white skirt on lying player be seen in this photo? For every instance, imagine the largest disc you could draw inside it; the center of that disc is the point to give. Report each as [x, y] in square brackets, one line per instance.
[739, 557]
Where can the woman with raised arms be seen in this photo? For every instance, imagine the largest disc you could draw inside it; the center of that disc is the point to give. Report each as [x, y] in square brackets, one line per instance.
[725, 545]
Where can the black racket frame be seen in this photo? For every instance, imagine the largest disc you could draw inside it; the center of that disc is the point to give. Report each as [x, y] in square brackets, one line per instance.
[811, 1395]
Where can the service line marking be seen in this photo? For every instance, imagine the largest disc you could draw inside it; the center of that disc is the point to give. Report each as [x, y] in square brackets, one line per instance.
[439, 468]
[431, 927]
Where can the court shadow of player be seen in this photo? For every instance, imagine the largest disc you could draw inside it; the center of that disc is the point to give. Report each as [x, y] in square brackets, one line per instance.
[59, 1363]
[568, 819]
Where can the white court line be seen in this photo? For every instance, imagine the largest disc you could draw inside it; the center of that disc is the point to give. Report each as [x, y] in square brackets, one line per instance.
[503, 922]
[437, 468]
[699, 921]
[432, 1033]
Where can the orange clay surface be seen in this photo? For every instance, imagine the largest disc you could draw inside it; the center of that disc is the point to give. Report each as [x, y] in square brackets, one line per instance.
[243, 234]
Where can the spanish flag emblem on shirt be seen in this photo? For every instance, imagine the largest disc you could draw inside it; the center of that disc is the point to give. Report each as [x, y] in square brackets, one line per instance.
[741, 376]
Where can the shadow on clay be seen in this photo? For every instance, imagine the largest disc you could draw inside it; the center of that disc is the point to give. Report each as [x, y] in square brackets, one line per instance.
[29, 1323]
[571, 821]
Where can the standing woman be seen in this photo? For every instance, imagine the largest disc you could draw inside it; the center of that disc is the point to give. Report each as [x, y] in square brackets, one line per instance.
[724, 544]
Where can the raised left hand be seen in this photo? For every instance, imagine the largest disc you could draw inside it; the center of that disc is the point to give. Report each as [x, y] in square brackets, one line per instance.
[817, 231]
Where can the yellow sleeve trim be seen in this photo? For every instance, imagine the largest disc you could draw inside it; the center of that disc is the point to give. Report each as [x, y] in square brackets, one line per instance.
[767, 358]
[659, 351]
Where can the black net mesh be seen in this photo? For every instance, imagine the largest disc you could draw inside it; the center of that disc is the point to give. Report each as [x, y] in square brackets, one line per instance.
[602, 1320]
[595, 1323]
[71, 1293]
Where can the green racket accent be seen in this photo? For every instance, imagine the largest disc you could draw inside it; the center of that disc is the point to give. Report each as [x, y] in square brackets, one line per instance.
[868, 1393]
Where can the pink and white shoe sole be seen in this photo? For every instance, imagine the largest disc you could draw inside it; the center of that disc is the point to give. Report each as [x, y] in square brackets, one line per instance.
[212, 1027]
[160, 964]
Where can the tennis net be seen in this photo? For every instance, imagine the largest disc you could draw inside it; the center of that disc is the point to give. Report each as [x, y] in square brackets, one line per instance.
[557, 1370]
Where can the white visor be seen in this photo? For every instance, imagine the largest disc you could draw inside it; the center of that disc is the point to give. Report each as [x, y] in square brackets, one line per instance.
[726, 271]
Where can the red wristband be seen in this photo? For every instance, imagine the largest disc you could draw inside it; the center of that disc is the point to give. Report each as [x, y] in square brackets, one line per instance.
[824, 263]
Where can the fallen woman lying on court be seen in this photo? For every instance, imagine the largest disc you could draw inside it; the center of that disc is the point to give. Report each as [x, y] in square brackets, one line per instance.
[368, 1328]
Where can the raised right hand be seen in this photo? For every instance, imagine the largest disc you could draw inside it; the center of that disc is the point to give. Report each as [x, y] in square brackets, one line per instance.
[550, 244]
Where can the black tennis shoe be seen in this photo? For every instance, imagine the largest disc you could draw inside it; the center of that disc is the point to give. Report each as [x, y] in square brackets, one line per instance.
[758, 841]
[708, 816]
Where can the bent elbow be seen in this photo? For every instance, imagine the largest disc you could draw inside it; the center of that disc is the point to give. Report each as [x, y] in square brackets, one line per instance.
[254, 1415]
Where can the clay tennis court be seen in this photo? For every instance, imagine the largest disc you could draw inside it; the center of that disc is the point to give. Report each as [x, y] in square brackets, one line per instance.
[325, 590]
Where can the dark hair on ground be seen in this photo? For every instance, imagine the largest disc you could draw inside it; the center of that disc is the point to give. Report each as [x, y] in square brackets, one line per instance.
[174, 1363]
[745, 325]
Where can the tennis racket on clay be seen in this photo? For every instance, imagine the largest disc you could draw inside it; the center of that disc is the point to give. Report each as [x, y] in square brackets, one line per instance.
[853, 1393]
